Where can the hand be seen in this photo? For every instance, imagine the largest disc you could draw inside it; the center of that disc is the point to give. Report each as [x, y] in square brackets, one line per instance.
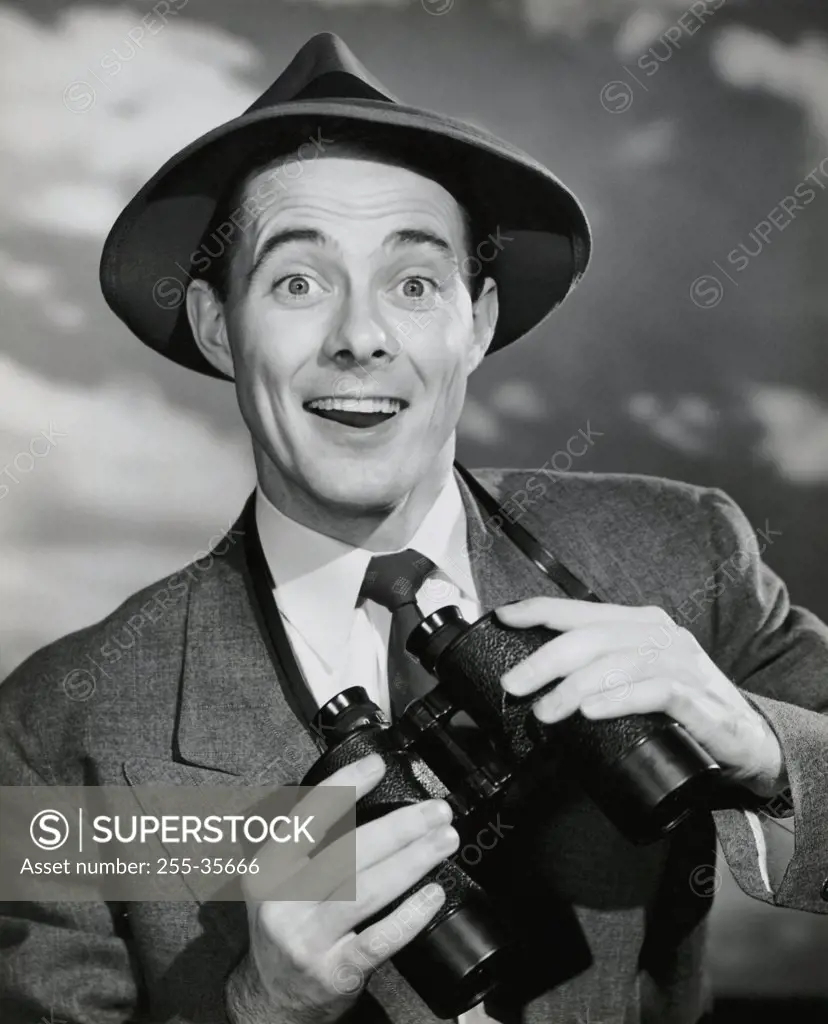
[614, 661]
[306, 964]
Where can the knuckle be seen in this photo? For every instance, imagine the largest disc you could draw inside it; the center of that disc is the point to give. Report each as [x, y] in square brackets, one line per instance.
[305, 962]
[447, 835]
[430, 850]
[730, 726]
[679, 696]
[442, 841]
[404, 828]
[370, 888]
[415, 825]
[271, 918]
[539, 605]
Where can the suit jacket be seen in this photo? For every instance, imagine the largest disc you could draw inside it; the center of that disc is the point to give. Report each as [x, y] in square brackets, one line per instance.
[186, 692]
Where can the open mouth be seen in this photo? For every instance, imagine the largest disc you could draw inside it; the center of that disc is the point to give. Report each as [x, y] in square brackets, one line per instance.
[356, 412]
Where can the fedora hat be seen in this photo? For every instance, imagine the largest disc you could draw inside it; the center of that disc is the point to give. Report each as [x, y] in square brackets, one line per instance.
[538, 239]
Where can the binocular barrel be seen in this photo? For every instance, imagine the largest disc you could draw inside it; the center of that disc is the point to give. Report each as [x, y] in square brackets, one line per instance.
[645, 772]
[454, 962]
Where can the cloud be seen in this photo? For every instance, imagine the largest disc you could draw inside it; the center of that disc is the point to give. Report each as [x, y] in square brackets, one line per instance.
[567, 17]
[687, 423]
[639, 31]
[486, 421]
[117, 450]
[335, 4]
[647, 145]
[518, 399]
[479, 423]
[127, 475]
[34, 280]
[796, 432]
[793, 427]
[639, 24]
[91, 105]
[798, 71]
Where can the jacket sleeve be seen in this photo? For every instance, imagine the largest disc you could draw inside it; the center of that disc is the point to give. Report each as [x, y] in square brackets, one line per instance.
[777, 654]
[62, 962]
[73, 962]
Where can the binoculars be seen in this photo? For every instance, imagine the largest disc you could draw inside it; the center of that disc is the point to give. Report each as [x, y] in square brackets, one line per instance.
[471, 743]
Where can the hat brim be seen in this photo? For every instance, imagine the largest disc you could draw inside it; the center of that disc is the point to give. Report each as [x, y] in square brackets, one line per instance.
[152, 252]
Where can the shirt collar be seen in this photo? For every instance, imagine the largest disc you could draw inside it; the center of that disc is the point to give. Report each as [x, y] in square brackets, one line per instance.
[317, 578]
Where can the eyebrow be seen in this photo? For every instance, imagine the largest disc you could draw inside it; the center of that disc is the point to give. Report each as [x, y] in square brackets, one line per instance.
[285, 237]
[416, 236]
[396, 240]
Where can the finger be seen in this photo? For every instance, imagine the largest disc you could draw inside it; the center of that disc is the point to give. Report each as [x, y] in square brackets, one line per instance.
[363, 775]
[704, 716]
[580, 647]
[615, 673]
[384, 939]
[612, 675]
[734, 735]
[326, 803]
[331, 873]
[385, 881]
[379, 839]
[567, 613]
[360, 848]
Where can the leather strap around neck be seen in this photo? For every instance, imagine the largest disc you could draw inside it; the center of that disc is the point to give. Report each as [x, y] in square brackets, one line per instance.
[297, 692]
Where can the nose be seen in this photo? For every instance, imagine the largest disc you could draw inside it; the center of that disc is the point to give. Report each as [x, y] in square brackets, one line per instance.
[360, 337]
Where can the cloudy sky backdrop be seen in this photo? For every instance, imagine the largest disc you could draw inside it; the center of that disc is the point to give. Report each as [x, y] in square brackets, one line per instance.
[680, 135]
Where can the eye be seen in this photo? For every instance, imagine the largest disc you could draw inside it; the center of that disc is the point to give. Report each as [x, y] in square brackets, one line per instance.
[417, 287]
[296, 287]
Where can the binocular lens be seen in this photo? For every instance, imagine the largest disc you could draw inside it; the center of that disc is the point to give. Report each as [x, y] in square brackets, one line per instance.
[455, 960]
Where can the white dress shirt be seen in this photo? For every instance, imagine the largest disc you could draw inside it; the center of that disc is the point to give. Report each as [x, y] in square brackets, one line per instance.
[317, 581]
[316, 584]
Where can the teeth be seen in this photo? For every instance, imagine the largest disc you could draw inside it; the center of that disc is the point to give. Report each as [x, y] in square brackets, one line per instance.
[386, 405]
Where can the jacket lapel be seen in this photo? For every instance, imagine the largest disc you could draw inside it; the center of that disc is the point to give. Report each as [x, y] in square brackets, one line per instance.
[234, 714]
[235, 717]
[501, 572]
[236, 726]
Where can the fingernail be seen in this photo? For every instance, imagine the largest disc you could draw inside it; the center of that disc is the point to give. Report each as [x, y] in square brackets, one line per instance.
[436, 812]
[505, 611]
[548, 710]
[371, 765]
[447, 838]
[519, 679]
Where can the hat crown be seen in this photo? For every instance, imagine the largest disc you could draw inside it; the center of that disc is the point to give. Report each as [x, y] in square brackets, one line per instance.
[325, 68]
[167, 226]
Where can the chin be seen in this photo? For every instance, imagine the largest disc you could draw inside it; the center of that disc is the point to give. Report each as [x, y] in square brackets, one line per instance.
[352, 488]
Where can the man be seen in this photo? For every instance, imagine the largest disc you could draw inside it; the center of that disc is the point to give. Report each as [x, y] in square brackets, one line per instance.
[349, 262]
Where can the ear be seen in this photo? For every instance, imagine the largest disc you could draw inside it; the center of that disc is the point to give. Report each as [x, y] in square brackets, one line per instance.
[485, 313]
[205, 312]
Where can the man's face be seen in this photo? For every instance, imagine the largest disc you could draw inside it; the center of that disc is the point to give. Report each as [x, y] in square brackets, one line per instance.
[351, 330]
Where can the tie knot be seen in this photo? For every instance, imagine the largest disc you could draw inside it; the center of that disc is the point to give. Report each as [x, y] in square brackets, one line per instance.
[393, 580]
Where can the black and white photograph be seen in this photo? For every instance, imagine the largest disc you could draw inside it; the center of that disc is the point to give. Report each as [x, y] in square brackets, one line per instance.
[414, 510]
